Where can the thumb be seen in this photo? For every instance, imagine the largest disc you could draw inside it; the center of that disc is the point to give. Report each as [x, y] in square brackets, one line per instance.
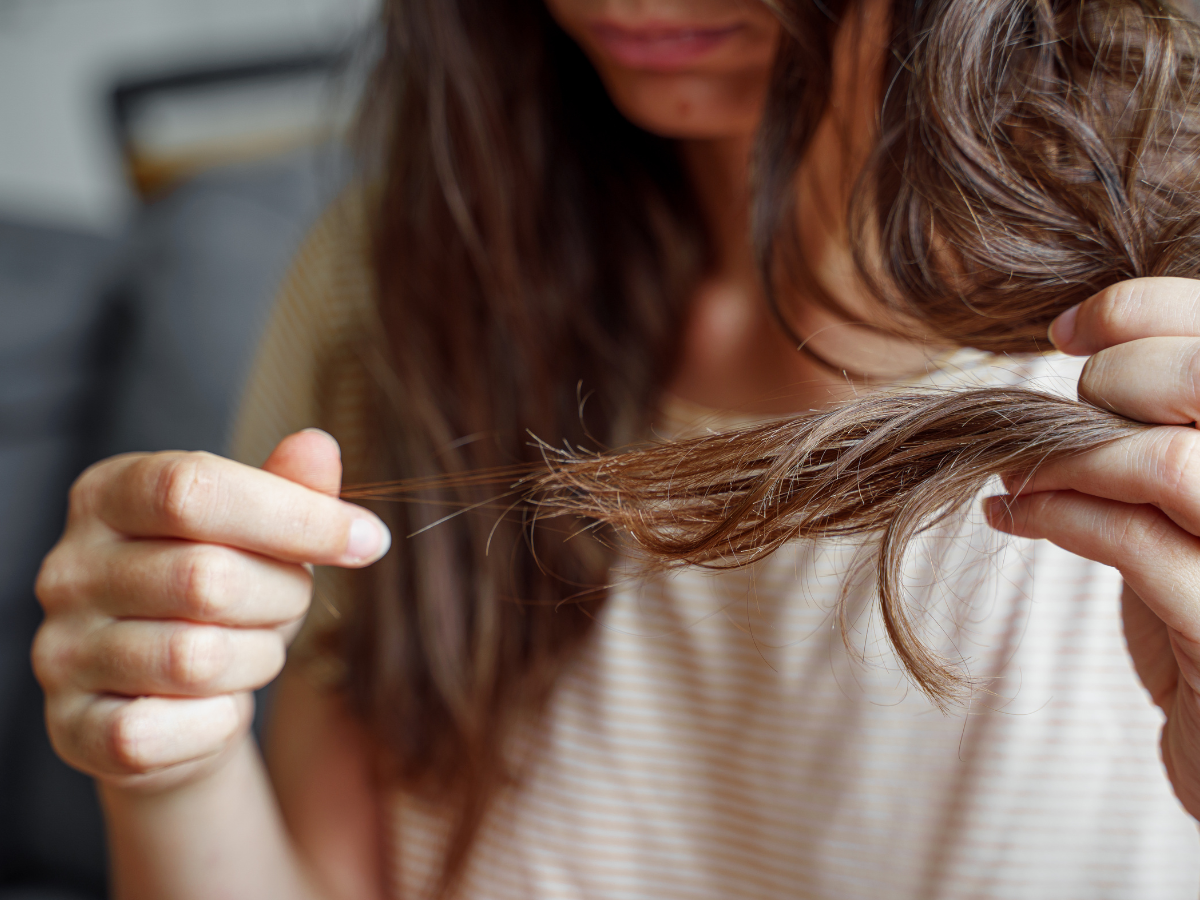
[310, 457]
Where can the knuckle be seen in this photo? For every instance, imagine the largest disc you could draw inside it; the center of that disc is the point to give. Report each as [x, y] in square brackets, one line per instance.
[1113, 308]
[1177, 464]
[129, 733]
[56, 580]
[204, 581]
[61, 727]
[184, 490]
[197, 656]
[70, 736]
[52, 657]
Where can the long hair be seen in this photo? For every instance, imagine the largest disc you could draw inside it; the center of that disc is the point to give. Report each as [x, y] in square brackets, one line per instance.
[534, 252]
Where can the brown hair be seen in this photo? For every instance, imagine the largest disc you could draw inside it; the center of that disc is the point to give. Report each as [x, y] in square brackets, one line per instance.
[534, 250]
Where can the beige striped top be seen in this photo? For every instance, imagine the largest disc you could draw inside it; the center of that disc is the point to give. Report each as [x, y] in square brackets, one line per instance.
[717, 739]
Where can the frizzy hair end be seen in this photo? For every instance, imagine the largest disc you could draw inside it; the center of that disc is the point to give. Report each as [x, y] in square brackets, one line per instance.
[888, 466]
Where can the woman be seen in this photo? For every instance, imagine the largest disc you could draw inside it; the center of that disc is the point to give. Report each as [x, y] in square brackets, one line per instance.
[537, 268]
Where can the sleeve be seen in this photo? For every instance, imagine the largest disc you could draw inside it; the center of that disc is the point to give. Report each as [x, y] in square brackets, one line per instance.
[324, 305]
[308, 373]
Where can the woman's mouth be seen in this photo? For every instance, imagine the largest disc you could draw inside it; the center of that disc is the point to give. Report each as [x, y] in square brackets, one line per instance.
[662, 47]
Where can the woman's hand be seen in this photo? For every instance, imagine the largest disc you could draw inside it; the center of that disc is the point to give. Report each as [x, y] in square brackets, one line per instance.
[173, 593]
[1135, 504]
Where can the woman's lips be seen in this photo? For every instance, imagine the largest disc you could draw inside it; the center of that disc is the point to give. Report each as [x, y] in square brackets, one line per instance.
[660, 47]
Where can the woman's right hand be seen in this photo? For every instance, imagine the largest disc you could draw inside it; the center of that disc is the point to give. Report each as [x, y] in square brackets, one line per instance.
[173, 593]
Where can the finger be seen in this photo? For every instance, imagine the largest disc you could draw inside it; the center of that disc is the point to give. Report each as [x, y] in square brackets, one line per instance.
[1158, 559]
[1159, 466]
[201, 497]
[1127, 311]
[1149, 645]
[134, 657]
[1181, 733]
[113, 736]
[310, 457]
[1187, 657]
[1153, 380]
[199, 582]
[175, 580]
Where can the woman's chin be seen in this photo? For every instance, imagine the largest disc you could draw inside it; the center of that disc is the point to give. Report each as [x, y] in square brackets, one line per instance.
[686, 107]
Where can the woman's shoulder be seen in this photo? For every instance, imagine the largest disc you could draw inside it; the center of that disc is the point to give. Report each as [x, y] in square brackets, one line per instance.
[324, 302]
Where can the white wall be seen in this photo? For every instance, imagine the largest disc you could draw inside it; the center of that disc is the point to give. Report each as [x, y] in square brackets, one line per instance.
[59, 57]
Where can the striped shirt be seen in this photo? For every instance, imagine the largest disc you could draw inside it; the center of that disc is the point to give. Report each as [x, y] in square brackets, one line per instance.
[723, 735]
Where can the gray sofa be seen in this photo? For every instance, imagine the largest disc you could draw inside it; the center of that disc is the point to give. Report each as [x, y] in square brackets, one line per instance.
[109, 345]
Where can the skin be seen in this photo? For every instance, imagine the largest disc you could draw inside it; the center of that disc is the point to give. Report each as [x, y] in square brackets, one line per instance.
[1135, 505]
[179, 579]
[734, 356]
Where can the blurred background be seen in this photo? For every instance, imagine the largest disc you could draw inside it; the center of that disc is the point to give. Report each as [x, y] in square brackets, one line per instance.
[160, 160]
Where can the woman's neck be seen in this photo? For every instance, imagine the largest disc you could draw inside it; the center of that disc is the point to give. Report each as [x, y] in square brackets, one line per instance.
[734, 356]
[719, 172]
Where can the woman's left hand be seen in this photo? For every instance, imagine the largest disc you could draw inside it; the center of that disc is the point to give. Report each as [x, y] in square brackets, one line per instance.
[1135, 504]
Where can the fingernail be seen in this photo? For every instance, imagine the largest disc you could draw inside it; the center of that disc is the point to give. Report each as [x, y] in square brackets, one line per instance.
[1062, 329]
[369, 540]
[331, 438]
